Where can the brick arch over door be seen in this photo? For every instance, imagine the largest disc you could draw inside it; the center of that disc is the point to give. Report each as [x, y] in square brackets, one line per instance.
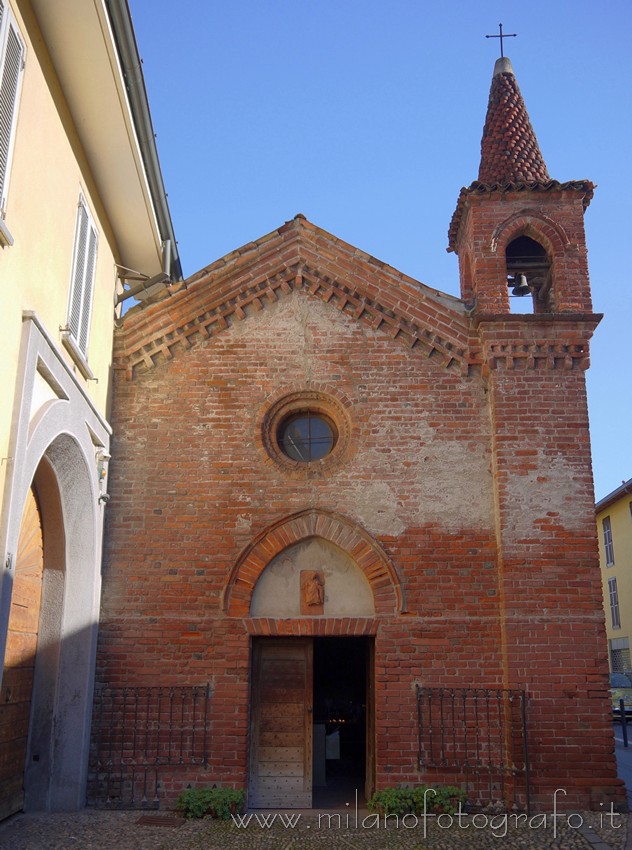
[388, 592]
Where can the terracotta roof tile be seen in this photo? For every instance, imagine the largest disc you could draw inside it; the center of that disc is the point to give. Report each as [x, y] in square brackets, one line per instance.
[509, 149]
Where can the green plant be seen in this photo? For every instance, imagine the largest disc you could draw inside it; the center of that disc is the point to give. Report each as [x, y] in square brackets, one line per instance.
[445, 799]
[219, 803]
[392, 801]
[403, 801]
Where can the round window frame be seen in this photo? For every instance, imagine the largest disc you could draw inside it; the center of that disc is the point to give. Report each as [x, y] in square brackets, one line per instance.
[307, 413]
[318, 404]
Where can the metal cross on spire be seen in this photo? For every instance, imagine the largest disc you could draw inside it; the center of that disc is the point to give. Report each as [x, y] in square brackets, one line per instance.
[501, 36]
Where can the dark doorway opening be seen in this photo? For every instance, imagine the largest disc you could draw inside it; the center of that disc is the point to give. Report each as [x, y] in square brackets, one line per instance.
[342, 721]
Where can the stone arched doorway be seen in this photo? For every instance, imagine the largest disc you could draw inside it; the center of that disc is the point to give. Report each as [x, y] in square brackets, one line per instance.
[57, 438]
[56, 764]
[51, 637]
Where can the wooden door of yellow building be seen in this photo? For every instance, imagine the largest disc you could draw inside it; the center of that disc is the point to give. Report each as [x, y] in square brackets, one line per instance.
[17, 681]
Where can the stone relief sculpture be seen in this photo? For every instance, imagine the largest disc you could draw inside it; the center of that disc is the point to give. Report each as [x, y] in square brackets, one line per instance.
[312, 592]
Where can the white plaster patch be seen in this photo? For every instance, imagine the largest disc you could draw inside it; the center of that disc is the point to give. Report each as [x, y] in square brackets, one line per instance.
[455, 485]
[549, 488]
[244, 523]
[449, 483]
[377, 508]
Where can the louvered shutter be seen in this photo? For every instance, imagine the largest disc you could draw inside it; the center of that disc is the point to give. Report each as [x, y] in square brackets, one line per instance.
[76, 295]
[11, 63]
[80, 303]
[91, 254]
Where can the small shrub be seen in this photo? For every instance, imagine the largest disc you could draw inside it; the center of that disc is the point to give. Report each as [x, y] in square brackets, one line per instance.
[403, 801]
[194, 802]
[219, 803]
[392, 801]
[445, 801]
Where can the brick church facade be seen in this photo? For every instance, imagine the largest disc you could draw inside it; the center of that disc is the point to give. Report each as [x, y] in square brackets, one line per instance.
[358, 512]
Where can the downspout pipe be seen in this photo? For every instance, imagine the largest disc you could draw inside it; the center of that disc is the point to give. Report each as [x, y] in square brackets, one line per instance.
[121, 21]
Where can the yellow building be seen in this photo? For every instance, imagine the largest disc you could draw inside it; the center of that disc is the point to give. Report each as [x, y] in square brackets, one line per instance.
[614, 525]
[83, 216]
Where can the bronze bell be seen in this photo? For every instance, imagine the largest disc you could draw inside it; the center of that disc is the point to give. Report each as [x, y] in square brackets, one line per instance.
[520, 285]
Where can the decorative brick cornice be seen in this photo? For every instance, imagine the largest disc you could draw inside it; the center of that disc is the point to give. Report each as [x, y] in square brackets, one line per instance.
[536, 342]
[253, 296]
[388, 593]
[584, 189]
[537, 355]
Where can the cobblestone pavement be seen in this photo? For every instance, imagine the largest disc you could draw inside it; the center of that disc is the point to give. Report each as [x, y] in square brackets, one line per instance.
[98, 830]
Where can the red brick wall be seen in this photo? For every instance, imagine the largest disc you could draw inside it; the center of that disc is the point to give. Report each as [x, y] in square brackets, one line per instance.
[474, 484]
[549, 568]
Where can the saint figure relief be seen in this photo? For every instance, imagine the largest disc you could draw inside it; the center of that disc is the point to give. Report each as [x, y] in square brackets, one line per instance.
[315, 590]
[312, 592]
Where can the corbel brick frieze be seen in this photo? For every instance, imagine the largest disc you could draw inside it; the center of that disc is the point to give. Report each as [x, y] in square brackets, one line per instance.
[555, 342]
[252, 298]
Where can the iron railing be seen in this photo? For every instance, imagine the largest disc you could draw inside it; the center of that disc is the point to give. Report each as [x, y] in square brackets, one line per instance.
[136, 732]
[478, 736]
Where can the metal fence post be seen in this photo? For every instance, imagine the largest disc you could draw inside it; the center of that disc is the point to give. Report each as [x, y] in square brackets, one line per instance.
[624, 723]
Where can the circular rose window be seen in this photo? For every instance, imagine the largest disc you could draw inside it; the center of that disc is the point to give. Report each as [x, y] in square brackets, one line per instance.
[306, 429]
[306, 436]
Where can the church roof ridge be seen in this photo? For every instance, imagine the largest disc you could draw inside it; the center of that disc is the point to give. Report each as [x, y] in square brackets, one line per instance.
[298, 256]
[291, 231]
[510, 152]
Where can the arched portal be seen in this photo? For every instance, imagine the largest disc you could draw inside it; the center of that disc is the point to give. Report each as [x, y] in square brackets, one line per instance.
[319, 576]
[56, 439]
[49, 657]
[56, 764]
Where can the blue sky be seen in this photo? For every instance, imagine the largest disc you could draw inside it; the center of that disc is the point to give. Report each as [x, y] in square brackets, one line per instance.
[366, 116]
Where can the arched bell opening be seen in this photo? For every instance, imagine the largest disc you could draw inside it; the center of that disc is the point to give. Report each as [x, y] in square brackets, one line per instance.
[529, 276]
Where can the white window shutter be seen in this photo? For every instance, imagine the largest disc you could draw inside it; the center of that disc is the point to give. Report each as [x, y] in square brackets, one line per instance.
[76, 293]
[84, 261]
[11, 65]
[91, 254]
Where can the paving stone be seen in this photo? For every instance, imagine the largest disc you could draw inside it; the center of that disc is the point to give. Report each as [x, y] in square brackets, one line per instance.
[98, 830]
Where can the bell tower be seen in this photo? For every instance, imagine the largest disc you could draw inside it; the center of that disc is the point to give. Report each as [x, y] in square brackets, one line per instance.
[517, 232]
[520, 235]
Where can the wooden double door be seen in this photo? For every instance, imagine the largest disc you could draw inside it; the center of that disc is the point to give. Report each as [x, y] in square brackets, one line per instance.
[19, 661]
[288, 700]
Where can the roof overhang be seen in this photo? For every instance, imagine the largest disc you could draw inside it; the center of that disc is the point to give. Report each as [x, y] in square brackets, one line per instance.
[624, 490]
[585, 189]
[83, 49]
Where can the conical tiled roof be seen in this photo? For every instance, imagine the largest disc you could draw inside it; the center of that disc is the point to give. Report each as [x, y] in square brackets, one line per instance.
[509, 149]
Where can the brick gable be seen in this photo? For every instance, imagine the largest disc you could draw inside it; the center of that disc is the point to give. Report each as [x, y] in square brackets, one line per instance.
[297, 257]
